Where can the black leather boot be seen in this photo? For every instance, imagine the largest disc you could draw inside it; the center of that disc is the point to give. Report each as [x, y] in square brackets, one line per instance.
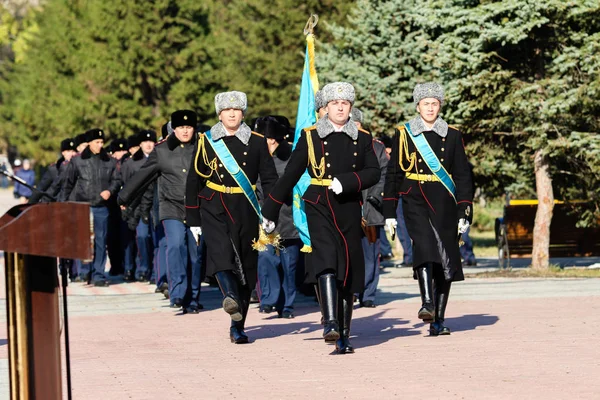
[345, 307]
[328, 296]
[237, 334]
[229, 285]
[424, 274]
[441, 293]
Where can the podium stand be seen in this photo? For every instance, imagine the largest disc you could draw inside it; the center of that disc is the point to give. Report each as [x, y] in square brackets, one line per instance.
[33, 237]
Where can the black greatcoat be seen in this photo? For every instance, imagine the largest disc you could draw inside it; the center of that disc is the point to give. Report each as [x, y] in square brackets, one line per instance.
[229, 218]
[49, 176]
[169, 162]
[89, 174]
[334, 221]
[430, 212]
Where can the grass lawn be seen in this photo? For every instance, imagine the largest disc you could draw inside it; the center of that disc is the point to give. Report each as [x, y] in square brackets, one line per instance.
[552, 272]
[484, 243]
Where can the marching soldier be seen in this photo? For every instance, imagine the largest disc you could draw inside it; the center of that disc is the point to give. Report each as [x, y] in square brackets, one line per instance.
[68, 149]
[341, 163]
[429, 169]
[145, 142]
[93, 177]
[221, 198]
[169, 162]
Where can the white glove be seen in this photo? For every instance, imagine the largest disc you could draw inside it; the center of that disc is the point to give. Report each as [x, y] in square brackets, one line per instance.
[463, 225]
[336, 186]
[197, 232]
[268, 226]
[390, 225]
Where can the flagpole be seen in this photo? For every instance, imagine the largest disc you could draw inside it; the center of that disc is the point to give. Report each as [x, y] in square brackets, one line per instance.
[310, 41]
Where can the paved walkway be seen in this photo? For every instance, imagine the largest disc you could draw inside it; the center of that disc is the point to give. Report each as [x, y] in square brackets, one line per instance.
[511, 339]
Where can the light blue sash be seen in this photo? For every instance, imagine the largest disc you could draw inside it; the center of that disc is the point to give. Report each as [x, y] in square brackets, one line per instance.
[236, 172]
[432, 161]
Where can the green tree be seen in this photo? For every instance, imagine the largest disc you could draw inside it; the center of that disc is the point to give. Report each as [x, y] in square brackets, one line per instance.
[524, 83]
[257, 46]
[124, 65]
[110, 64]
[383, 52]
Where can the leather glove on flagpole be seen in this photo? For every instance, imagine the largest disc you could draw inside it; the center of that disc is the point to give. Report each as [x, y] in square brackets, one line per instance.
[268, 226]
[197, 232]
[463, 225]
[390, 226]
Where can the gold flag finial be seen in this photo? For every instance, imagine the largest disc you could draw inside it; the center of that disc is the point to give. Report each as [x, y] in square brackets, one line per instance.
[310, 24]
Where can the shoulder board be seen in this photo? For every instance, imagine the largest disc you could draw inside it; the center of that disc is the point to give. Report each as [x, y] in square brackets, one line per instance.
[258, 134]
[453, 127]
[400, 127]
[364, 131]
[161, 141]
[309, 128]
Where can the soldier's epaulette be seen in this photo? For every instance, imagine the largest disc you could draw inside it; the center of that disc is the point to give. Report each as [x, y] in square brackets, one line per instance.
[161, 141]
[364, 131]
[258, 134]
[309, 128]
[453, 127]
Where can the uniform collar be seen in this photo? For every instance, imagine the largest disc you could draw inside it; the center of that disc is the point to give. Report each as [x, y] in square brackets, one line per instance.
[325, 128]
[417, 126]
[283, 151]
[87, 153]
[138, 155]
[244, 133]
[173, 142]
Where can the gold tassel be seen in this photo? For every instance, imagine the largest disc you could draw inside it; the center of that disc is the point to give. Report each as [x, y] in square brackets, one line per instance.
[265, 239]
[306, 249]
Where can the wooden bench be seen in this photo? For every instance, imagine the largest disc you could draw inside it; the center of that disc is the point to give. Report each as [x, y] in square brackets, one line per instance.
[514, 232]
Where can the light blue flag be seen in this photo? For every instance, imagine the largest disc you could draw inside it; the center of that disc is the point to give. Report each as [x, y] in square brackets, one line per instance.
[306, 116]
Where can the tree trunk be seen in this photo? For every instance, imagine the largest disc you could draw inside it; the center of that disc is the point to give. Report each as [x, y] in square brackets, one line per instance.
[543, 216]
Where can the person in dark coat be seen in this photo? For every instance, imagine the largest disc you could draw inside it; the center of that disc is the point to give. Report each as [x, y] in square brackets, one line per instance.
[68, 149]
[373, 221]
[341, 162]
[215, 201]
[120, 238]
[93, 177]
[277, 266]
[22, 192]
[169, 162]
[145, 140]
[436, 207]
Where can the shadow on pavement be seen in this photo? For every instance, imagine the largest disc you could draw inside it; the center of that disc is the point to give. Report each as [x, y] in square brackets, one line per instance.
[384, 297]
[375, 329]
[470, 322]
[466, 322]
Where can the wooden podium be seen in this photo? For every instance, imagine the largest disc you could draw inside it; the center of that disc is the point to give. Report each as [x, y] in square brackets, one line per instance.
[33, 237]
